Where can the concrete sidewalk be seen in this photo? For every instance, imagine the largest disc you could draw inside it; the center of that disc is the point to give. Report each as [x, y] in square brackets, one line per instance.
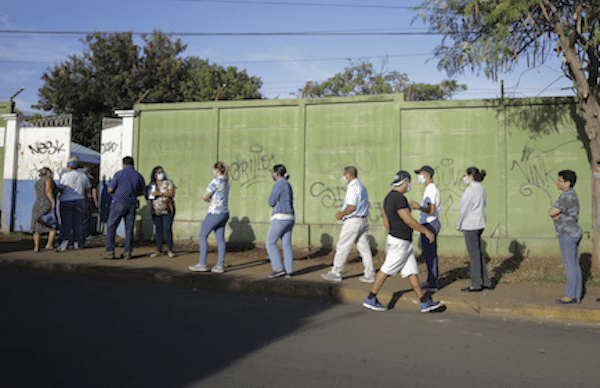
[245, 273]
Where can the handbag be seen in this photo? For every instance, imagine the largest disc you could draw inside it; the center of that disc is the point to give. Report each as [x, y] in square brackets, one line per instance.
[49, 219]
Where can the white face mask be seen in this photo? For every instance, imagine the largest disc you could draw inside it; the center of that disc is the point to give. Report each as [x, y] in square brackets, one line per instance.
[597, 175]
[160, 176]
[344, 179]
[466, 180]
[421, 179]
[408, 188]
[215, 173]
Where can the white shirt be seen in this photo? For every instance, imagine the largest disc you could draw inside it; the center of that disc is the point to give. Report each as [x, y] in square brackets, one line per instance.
[74, 184]
[431, 195]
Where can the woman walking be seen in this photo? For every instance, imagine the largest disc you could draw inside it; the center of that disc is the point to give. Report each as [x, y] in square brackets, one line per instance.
[161, 193]
[217, 193]
[565, 214]
[471, 221]
[282, 222]
[45, 204]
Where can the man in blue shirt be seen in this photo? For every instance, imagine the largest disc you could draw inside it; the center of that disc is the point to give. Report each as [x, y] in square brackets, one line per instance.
[125, 187]
[354, 213]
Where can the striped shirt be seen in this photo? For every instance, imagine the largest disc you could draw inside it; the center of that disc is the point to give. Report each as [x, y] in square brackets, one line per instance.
[356, 195]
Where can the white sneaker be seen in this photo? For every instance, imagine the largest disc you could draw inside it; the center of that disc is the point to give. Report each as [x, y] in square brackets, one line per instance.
[367, 279]
[332, 277]
[198, 268]
[217, 269]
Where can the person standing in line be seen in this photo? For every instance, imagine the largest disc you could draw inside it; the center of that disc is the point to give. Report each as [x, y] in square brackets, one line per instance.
[430, 219]
[126, 185]
[45, 203]
[565, 214]
[354, 213]
[471, 221]
[161, 194]
[217, 193]
[281, 224]
[91, 205]
[74, 186]
[399, 257]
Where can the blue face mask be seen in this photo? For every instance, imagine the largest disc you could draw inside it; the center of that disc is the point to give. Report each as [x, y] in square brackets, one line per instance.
[345, 179]
[273, 176]
[160, 176]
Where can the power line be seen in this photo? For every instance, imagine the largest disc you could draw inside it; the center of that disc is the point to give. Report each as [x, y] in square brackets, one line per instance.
[301, 4]
[262, 61]
[309, 33]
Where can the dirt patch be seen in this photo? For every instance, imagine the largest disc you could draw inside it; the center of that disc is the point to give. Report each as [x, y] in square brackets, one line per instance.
[515, 269]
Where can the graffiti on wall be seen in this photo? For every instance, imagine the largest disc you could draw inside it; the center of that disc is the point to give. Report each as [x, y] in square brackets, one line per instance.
[535, 169]
[251, 169]
[109, 146]
[48, 147]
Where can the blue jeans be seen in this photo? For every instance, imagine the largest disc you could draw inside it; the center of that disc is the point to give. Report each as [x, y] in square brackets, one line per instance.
[117, 212]
[430, 253]
[569, 250]
[217, 223]
[71, 229]
[163, 223]
[280, 229]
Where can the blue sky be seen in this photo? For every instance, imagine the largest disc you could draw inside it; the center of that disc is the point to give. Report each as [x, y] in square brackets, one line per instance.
[284, 63]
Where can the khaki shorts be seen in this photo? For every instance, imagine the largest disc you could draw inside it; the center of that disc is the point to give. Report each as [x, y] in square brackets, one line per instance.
[399, 258]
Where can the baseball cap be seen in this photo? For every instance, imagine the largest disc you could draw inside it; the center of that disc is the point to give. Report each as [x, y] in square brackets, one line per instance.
[427, 169]
[400, 177]
[72, 163]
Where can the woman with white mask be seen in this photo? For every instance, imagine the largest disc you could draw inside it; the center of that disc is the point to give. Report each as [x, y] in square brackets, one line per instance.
[472, 221]
[161, 192]
[217, 194]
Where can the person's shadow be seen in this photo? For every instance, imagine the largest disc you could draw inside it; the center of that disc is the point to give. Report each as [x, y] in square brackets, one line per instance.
[510, 264]
[242, 235]
[585, 261]
[325, 249]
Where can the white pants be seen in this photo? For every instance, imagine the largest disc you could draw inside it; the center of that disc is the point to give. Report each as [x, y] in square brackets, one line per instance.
[353, 231]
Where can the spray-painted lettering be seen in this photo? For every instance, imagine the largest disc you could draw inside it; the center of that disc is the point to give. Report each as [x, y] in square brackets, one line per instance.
[111, 146]
[49, 147]
[252, 170]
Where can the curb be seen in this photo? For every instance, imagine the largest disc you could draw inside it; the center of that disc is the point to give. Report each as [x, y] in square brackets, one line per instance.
[325, 292]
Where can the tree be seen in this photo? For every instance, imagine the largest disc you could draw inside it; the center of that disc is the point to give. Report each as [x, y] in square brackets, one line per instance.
[113, 73]
[494, 34]
[360, 78]
[203, 81]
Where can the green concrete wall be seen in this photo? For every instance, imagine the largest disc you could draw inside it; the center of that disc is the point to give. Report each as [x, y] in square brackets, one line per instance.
[522, 144]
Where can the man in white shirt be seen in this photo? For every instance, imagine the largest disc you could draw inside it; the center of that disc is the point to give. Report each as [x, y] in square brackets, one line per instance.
[354, 213]
[430, 215]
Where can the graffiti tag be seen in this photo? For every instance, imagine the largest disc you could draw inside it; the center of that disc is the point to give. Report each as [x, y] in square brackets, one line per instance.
[248, 170]
[333, 197]
[49, 147]
[111, 146]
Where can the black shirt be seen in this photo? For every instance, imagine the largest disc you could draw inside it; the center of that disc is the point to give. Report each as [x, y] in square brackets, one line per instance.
[393, 202]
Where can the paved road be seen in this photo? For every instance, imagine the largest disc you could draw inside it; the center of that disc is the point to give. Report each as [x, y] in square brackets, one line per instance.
[61, 331]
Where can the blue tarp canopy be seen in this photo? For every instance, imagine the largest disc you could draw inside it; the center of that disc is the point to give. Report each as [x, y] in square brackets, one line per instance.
[84, 154]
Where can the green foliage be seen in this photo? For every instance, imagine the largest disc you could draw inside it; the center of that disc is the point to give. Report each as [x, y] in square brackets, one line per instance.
[203, 81]
[360, 78]
[113, 73]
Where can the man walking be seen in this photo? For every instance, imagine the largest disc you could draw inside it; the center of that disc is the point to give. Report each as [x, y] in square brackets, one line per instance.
[125, 187]
[429, 218]
[354, 213]
[399, 253]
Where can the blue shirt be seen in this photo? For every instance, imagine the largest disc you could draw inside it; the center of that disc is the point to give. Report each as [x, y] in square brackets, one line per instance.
[356, 195]
[282, 198]
[127, 184]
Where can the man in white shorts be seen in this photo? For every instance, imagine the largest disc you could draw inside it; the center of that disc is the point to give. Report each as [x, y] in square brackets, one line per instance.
[399, 250]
